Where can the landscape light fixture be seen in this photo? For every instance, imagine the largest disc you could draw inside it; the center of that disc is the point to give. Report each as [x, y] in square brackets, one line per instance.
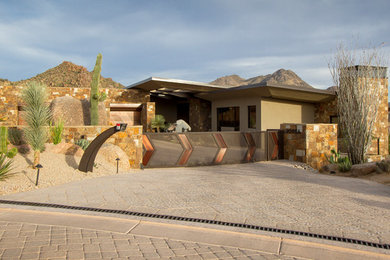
[38, 166]
[117, 164]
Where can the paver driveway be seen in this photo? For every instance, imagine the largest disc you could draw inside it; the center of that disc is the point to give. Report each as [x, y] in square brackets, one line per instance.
[266, 194]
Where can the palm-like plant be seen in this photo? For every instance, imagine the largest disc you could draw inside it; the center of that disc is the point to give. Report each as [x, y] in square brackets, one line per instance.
[158, 122]
[37, 116]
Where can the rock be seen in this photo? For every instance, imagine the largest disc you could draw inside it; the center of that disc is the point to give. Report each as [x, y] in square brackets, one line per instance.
[87, 115]
[66, 148]
[109, 153]
[363, 169]
[330, 168]
[75, 112]
[69, 110]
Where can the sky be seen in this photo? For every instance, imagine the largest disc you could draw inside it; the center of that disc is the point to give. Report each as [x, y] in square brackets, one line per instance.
[197, 40]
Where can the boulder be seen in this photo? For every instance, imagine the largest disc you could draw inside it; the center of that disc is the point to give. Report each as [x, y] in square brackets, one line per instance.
[69, 110]
[330, 168]
[75, 112]
[109, 152]
[103, 120]
[66, 148]
[363, 169]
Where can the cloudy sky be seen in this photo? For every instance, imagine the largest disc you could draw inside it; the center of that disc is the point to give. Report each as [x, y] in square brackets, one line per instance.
[196, 40]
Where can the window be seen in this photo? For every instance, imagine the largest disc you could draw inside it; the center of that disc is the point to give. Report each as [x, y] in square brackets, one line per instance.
[252, 117]
[228, 118]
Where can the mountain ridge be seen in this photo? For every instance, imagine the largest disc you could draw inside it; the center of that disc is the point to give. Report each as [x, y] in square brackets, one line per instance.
[66, 74]
[280, 77]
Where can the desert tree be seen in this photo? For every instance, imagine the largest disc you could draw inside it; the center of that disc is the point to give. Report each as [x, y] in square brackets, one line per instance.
[357, 74]
[37, 116]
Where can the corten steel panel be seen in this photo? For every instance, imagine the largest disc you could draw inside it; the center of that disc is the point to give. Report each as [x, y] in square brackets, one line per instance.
[250, 154]
[273, 144]
[222, 148]
[187, 149]
[148, 150]
[204, 148]
[167, 150]
[237, 147]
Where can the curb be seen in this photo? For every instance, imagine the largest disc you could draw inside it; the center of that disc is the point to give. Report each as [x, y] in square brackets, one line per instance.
[263, 243]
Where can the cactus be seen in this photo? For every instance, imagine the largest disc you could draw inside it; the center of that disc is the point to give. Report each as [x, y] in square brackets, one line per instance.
[95, 97]
[4, 144]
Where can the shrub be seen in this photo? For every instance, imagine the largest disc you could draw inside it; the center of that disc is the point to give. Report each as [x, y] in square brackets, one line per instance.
[158, 122]
[5, 167]
[23, 149]
[56, 132]
[37, 115]
[15, 136]
[344, 164]
[4, 143]
[83, 143]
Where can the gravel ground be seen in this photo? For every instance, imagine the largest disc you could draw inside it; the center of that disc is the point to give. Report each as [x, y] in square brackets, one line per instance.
[57, 169]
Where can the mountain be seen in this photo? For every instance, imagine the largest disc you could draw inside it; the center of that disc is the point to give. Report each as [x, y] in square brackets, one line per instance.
[71, 75]
[279, 77]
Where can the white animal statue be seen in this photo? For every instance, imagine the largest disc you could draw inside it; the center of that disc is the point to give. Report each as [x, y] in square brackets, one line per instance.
[182, 126]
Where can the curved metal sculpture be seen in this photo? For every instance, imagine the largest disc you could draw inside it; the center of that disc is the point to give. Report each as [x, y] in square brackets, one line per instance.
[88, 159]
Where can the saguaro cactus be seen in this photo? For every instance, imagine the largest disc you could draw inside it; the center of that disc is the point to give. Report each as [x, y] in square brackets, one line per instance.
[94, 99]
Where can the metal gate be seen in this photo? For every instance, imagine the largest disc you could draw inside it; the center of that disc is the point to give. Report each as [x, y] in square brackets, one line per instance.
[203, 148]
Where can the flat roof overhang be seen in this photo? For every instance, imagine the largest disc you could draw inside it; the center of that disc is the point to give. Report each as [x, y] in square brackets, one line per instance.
[272, 91]
[160, 85]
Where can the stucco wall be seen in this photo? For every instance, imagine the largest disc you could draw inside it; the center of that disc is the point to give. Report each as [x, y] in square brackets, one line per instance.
[276, 112]
[243, 103]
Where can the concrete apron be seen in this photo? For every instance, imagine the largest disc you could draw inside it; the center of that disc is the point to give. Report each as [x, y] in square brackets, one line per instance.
[263, 243]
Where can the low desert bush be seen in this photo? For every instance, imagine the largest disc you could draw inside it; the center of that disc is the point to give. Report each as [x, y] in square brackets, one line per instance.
[344, 163]
[23, 149]
[15, 136]
[83, 143]
[4, 143]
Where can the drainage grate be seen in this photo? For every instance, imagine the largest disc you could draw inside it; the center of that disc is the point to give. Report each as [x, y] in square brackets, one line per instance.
[208, 221]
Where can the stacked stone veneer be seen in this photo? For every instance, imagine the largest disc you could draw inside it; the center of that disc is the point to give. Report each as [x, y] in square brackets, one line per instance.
[148, 112]
[10, 99]
[200, 115]
[309, 143]
[380, 129]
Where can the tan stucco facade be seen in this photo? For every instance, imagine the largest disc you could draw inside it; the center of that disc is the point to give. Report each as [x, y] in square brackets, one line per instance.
[277, 112]
[243, 104]
[270, 113]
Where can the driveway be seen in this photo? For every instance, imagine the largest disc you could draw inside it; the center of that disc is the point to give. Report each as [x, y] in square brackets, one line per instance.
[266, 193]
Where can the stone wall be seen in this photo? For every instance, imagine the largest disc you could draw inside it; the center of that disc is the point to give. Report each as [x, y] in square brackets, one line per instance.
[148, 113]
[200, 115]
[324, 111]
[10, 99]
[380, 129]
[309, 143]
[130, 141]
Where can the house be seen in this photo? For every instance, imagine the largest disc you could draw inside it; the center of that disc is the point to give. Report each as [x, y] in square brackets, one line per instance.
[250, 107]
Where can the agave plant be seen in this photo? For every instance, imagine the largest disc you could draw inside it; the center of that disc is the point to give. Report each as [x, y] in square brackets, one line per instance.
[5, 166]
[37, 116]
